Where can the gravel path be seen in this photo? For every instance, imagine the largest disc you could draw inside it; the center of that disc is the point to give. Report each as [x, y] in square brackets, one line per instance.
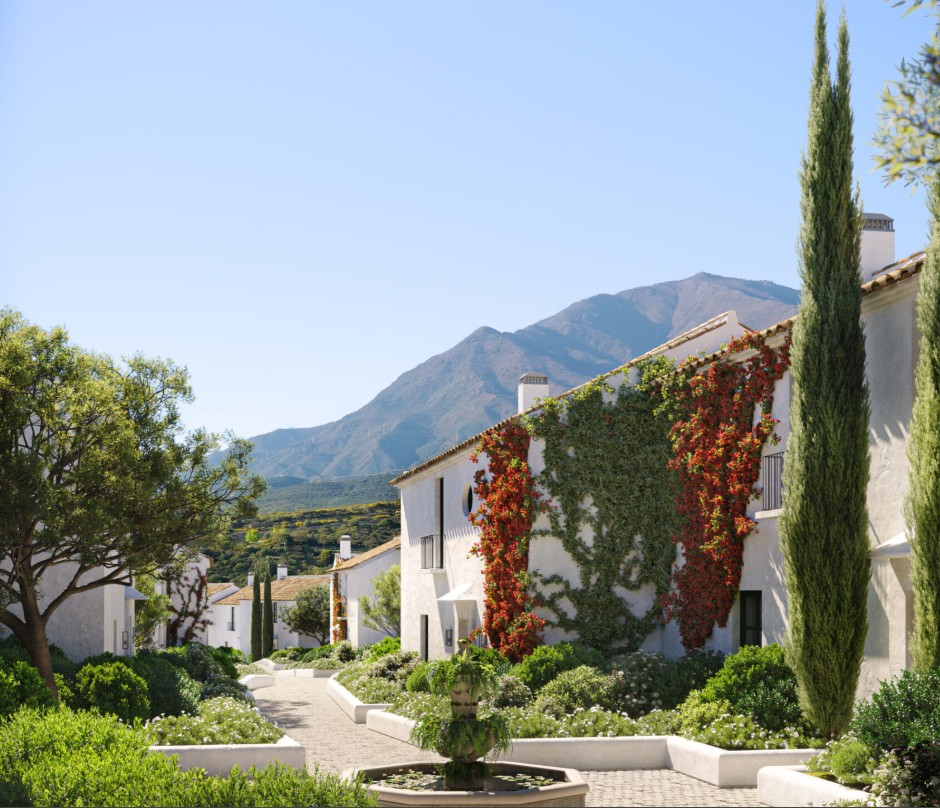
[333, 742]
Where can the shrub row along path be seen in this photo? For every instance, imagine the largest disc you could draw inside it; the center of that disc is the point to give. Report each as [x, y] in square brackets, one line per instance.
[305, 711]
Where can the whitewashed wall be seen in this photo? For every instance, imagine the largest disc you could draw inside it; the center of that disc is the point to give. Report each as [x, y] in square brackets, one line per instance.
[356, 582]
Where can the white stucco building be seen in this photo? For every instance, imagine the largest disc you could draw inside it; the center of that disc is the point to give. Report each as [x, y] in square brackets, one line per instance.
[352, 578]
[442, 587]
[231, 614]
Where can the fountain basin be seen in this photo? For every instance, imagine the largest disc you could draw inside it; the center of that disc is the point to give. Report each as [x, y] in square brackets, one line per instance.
[567, 791]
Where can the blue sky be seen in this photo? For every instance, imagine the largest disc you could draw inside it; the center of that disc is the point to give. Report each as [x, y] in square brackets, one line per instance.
[300, 201]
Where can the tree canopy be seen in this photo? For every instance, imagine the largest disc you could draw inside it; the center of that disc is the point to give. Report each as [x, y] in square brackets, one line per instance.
[383, 613]
[97, 475]
[311, 614]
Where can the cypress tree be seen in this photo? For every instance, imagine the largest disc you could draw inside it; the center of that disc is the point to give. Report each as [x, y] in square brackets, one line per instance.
[923, 499]
[824, 523]
[256, 616]
[267, 619]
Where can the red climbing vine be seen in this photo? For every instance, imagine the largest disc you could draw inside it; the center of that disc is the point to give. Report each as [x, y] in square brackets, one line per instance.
[717, 454]
[509, 504]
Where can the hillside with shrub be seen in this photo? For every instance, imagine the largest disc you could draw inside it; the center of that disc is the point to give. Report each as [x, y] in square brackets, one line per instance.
[303, 540]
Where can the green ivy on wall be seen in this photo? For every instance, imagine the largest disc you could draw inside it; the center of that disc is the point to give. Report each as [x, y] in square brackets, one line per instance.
[614, 498]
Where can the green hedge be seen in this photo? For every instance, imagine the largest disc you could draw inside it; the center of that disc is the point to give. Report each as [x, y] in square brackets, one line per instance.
[61, 758]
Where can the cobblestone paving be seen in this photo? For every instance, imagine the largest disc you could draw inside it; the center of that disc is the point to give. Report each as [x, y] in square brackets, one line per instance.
[334, 743]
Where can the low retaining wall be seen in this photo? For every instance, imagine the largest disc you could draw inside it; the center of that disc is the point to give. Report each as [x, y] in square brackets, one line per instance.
[350, 705]
[314, 673]
[268, 665]
[219, 758]
[720, 767]
[729, 768]
[790, 785]
[257, 680]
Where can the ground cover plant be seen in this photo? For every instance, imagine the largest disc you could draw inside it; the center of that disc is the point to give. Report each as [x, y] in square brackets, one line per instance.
[58, 757]
[220, 720]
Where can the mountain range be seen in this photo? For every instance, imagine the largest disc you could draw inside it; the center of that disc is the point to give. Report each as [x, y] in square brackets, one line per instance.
[456, 394]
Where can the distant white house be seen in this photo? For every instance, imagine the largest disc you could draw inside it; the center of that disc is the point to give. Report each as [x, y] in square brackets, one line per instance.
[442, 587]
[231, 614]
[351, 579]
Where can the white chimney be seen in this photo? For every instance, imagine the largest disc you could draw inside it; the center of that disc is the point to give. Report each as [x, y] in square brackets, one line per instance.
[345, 547]
[532, 386]
[877, 244]
[281, 571]
[251, 578]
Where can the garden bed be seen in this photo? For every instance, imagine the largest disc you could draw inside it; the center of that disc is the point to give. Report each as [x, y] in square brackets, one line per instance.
[349, 704]
[256, 681]
[720, 767]
[314, 673]
[219, 758]
[792, 785]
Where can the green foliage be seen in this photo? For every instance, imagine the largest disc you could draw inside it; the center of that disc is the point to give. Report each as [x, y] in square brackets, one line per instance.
[849, 760]
[511, 691]
[582, 687]
[344, 652]
[419, 704]
[22, 686]
[257, 628]
[220, 720]
[460, 738]
[104, 473]
[311, 614]
[903, 712]
[267, 618]
[12, 650]
[223, 686]
[922, 506]
[417, 681]
[288, 495]
[659, 722]
[547, 661]
[613, 455]
[827, 464]
[464, 671]
[387, 645]
[196, 659]
[170, 689]
[310, 538]
[115, 689]
[151, 613]
[395, 667]
[61, 758]
[909, 776]
[639, 683]
[758, 682]
[292, 654]
[227, 658]
[530, 722]
[323, 652]
[383, 612]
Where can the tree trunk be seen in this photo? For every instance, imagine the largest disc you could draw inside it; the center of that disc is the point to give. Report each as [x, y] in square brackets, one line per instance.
[33, 637]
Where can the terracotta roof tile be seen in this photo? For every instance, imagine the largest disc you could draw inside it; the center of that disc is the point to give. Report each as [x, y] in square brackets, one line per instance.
[286, 589]
[214, 589]
[394, 544]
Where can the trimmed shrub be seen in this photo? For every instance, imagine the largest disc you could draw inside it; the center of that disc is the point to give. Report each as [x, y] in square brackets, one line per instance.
[115, 689]
[692, 672]
[639, 683]
[394, 666]
[417, 681]
[292, 654]
[905, 711]
[547, 661]
[170, 689]
[221, 720]
[65, 758]
[323, 652]
[757, 681]
[909, 776]
[659, 722]
[511, 692]
[226, 660]
[223, 686]
[344, 651]
[22, 686]
[12, 650]
[582, 687]
[387, 645]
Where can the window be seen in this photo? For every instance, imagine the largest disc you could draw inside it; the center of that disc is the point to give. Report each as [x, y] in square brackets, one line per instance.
[274, 609]
[424, 636]
[772, 480]
[432, 552]
[440, 505]
[466, 499]
[231, 619]
[749, 605]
